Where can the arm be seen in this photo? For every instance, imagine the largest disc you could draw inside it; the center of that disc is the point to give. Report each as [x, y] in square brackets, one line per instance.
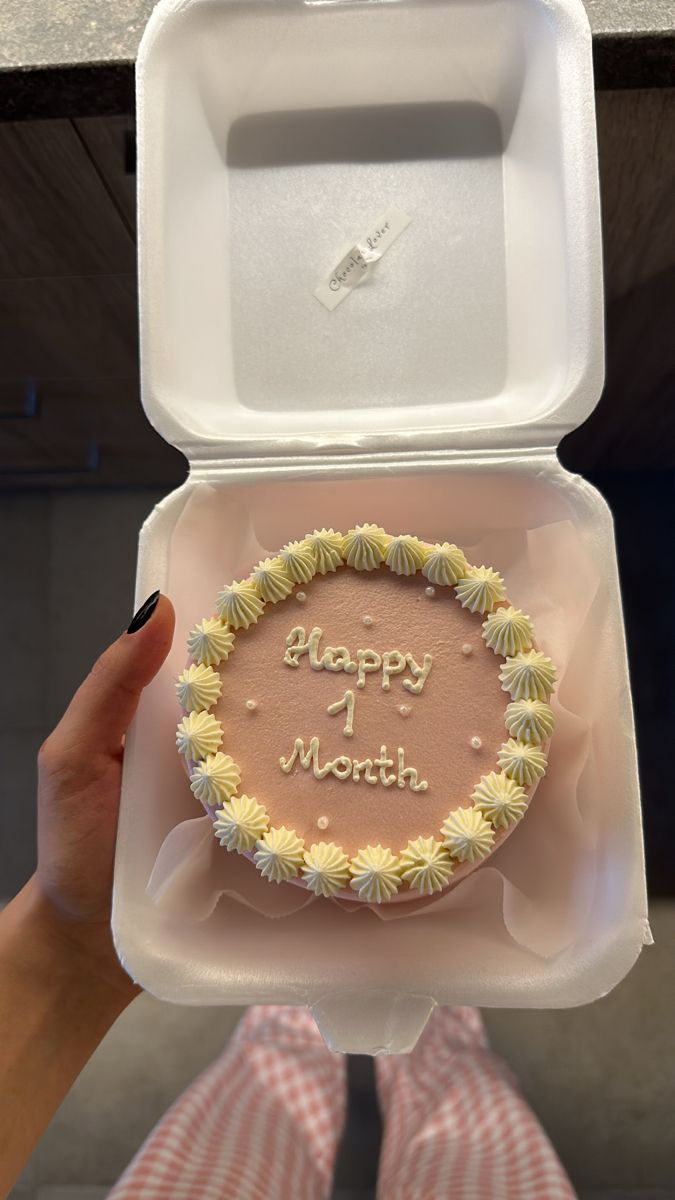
[61, 985]
[54, 1011]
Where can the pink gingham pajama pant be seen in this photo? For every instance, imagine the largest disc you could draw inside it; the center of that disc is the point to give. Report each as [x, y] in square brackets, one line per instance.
[263, 1122]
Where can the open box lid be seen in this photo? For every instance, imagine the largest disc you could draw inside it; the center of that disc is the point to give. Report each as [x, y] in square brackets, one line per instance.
[275, 136]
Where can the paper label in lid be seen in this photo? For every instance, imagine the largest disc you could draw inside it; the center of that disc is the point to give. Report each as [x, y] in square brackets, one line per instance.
[359, 262]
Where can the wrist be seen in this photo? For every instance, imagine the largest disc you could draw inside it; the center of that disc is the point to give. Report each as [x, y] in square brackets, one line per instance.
[76, 958]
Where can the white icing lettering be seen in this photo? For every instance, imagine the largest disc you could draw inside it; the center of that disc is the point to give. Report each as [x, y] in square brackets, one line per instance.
[420, 673]
[347, 702]
[383, 762]
[337, 658]
[314, 638]
[409, 775]
[308, 758]
[393, 662]
[367, 767]
[368, 661]
[296, 646]
[343, 768]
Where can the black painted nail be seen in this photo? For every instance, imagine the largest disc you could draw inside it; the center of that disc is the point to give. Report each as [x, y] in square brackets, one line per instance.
[144, 613]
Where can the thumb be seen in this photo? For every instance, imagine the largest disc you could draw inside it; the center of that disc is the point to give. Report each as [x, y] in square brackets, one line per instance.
[102, 708]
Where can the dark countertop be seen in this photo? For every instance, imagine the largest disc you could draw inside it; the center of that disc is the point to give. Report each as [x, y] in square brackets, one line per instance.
[76, 57]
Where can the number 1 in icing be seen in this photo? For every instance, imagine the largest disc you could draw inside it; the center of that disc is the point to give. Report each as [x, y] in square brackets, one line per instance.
[347, 702]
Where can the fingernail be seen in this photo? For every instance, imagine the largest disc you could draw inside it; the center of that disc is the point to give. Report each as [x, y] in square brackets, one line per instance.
[144, 613]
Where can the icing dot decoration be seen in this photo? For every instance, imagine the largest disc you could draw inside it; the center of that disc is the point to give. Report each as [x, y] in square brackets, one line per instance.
[239, 604]
[480, 589]
[426, 866]
[445, 564]
[522, 761]
[405, 555]
[198, 734]
[365, 547]
[215, 779]
[376, 874]
[528, 676]
[240, 823]
[326, 546]
[500, 799]
[326, 868]
[210, 642]
[271, 580]
[279, 854]
[299, 560]
[529, 721]
[467, 835]
[198, 687]
[508, 631]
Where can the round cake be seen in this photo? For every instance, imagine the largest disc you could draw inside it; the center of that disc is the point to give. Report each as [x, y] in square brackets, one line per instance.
[365, 715]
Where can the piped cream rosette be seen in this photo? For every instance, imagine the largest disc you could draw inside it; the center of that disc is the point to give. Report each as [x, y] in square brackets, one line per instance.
[376, 874]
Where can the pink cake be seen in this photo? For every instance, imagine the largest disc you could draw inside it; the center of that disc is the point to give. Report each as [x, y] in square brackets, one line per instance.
[365, 715]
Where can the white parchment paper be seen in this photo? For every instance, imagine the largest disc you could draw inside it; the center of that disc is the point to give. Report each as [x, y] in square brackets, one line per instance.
[538, 888]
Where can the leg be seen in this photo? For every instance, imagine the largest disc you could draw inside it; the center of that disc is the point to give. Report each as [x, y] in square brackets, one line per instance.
[261, 1123]
[455, 1124]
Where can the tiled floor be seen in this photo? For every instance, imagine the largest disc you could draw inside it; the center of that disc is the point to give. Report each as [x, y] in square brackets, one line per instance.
[602, 1079]
[71, 1193]
[99, 1193]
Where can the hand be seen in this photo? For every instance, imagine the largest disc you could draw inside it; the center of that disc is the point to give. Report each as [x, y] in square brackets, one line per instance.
[80, 772]
[61, 984]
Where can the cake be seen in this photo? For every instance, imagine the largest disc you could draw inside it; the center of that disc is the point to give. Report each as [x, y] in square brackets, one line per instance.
[365, 715]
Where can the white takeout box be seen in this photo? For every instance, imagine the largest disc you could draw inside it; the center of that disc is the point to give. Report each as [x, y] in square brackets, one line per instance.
[272, 134]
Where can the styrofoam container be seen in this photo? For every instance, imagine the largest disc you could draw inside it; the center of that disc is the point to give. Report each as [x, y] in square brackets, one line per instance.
[272, 136]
